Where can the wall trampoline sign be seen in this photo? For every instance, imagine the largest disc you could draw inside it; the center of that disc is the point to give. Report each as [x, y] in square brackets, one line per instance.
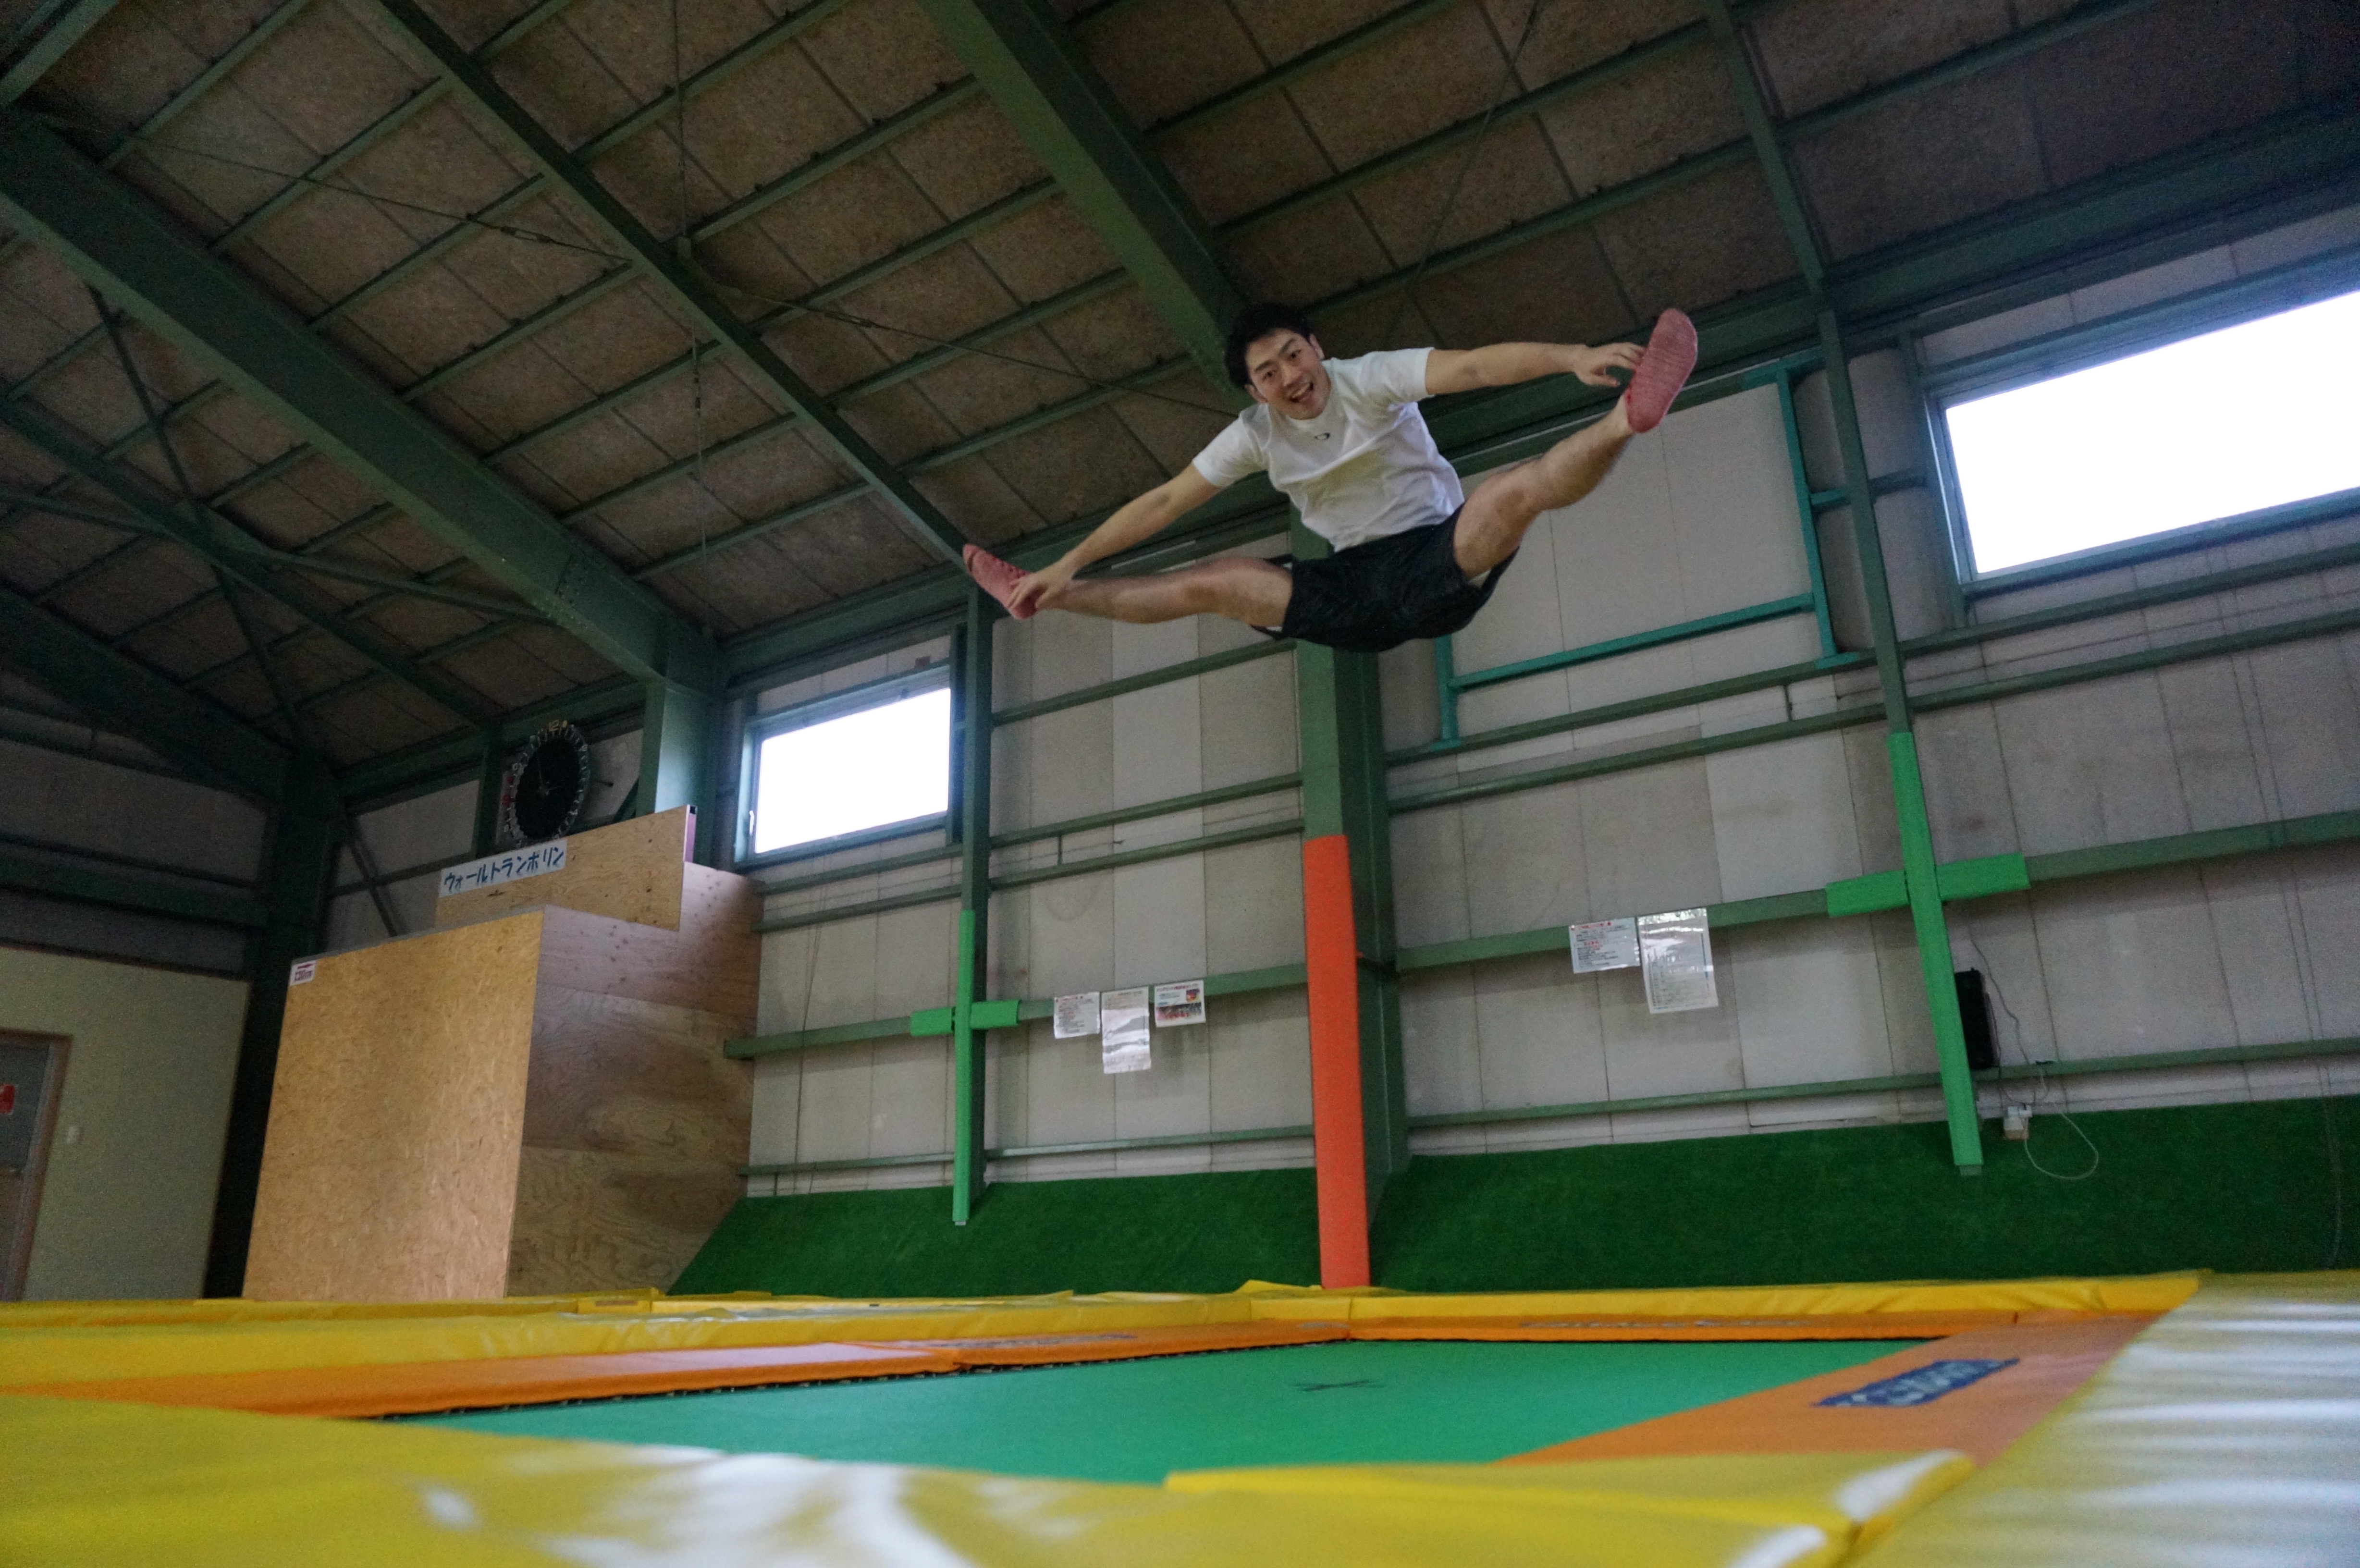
[513, 866]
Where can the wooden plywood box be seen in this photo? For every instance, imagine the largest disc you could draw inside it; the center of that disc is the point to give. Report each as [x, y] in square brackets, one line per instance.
[533, 1104]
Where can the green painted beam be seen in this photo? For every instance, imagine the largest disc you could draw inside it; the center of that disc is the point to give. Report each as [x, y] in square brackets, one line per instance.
[1703, 625]
[1785, 192]
[1146, 809]
[1036, 72]
[936, 1022]
[124, 695]
[2152, 1062]
[64, 30]
[676, 274]
[307, 827]
[971, 1015]
[121, 243]
[1202, 845]
[1033, 1151]
[53, 878]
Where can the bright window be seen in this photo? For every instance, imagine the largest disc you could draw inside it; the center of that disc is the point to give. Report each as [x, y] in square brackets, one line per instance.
[885, 763]
[2255, 415]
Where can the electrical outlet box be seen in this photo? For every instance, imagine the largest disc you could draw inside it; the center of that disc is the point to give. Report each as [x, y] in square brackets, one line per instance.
[2016, 1124]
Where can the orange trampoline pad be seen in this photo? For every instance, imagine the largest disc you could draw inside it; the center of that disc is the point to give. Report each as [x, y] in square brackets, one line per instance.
[1827, 1325]
[1123, 1345]
[2051, 1360]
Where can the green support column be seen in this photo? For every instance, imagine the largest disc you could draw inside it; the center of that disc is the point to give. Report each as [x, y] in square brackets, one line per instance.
[305, 836]
[1343, 740]
[1918, 862]
[972, 980]
[676, 747]
[488, 779]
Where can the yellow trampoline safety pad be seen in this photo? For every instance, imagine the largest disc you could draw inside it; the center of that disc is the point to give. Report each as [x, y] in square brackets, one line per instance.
[2226, 1432]
[44, 1342]
[93, 1482]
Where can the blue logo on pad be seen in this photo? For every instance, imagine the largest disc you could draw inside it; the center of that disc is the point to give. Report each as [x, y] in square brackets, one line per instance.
[1919, 1386]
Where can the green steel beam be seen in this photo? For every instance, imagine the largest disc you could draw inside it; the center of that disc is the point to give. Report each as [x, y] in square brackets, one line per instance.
[1785, 193]
[1926, 919]
[2151, 1062]
[127, 696]
[1010, 840]
[1227, 839]
[307, 827]
[973, 980]
[1036, 72]
[65, 30]
[1150, 809]
[1033, 1151]
[53, 878]
[127, 248]
[673, 273]
[679, 743]
[1188, 669]
[1703, 625]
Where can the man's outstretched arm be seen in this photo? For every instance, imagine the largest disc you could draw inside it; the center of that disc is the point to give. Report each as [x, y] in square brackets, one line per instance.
[1134, 522]
[1505, 364]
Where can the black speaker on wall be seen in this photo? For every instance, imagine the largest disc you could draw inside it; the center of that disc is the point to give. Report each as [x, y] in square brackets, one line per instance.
[1974, 1012]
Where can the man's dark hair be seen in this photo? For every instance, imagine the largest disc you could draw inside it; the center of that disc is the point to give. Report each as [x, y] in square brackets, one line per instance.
[1254, 323]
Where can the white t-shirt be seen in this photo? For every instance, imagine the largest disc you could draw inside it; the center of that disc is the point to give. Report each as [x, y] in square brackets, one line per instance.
[1365, 469]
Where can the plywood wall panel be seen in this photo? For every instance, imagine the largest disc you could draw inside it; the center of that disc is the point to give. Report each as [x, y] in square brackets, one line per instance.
[634, 1124]
[711, 962]
[629, 871]
[390, 1173]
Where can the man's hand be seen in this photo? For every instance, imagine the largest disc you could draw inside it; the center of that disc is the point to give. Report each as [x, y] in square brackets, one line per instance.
[1041, 590]
[1590, 365]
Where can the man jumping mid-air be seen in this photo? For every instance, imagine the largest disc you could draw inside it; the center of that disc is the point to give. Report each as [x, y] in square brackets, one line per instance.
[1414, 556]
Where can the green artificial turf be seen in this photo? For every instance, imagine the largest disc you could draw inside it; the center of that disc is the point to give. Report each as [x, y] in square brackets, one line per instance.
[1138, 1421]
[1206, 1232]
[2231, 1187]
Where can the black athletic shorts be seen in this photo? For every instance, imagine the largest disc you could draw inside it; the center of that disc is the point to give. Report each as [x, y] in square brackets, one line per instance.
[1380, 594]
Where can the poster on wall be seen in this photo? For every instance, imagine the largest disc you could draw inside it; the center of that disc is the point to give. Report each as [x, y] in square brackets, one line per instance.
[1122, 1030]
[1604, 944]
[1180, 1004]
[1676, 951]
[1076, 1015]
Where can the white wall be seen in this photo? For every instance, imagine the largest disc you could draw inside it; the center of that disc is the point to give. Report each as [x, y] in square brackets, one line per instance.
[127, 1204]
[1699, 518]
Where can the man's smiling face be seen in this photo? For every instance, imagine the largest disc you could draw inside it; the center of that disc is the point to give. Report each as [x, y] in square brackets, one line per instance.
[1288, 371]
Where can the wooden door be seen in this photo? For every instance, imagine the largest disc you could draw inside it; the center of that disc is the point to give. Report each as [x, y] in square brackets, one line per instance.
[31, 1069]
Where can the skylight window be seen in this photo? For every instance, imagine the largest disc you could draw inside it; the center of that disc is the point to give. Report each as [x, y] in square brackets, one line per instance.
[2258, 415]
[880, 764]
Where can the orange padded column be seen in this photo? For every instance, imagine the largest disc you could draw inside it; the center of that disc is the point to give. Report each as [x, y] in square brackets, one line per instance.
[1331, 956]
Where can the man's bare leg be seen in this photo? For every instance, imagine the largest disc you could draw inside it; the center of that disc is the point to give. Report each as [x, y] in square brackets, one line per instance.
[1495, 518]
[1239, 587]
[1504, 506]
